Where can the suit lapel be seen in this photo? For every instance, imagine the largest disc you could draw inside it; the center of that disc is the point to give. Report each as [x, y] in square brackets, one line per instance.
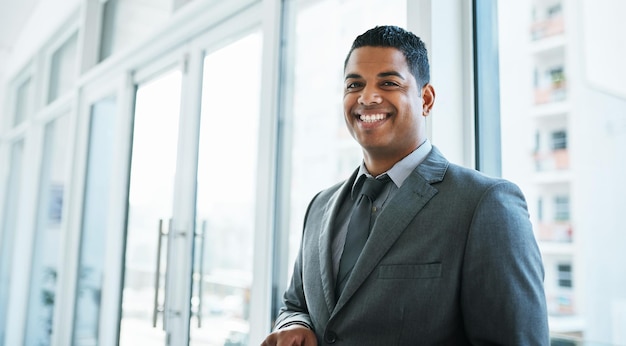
[326, 238]
[415, 192]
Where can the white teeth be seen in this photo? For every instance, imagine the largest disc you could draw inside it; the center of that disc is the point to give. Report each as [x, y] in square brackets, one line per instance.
[370, 118]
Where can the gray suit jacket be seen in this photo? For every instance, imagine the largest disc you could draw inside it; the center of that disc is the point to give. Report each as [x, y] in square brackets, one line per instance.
[451, 260]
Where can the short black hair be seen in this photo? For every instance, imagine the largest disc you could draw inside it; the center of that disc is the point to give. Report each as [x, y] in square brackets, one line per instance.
[409, 44]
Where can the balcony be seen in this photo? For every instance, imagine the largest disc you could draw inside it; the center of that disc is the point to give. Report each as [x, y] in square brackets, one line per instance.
[555, 231]
[555, 110]
[561, 303]
[554, 92]
[547, 28]
[555, 160]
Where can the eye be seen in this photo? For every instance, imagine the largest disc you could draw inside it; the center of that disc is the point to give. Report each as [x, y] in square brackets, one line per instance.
[389, 84]
[354, 85]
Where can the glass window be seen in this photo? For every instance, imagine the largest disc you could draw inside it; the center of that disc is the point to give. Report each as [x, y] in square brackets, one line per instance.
[126, 23]
[563, 142]
[322, 151]
[561, 208]
[48, 233]
[9, 223]
[23, 101]
[94, 225]
[565, 275]
[559, 140]
[63, 68]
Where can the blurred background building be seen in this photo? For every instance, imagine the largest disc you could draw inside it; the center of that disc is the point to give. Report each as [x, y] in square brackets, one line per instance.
[570, 126]
[157, 157]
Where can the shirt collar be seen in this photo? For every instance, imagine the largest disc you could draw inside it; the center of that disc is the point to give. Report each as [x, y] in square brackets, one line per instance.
[401, 170]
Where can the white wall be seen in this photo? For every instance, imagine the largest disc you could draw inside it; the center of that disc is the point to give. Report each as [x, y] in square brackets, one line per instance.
[604, 58]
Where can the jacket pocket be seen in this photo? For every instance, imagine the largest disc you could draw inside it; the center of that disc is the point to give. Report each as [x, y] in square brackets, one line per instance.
[410, 271]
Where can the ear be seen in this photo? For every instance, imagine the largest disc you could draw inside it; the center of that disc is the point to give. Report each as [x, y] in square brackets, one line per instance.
[428, 97]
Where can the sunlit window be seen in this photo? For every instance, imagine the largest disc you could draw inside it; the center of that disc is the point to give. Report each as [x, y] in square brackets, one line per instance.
[126, 23]
[323, 152]
[63, 68]
[23, 101]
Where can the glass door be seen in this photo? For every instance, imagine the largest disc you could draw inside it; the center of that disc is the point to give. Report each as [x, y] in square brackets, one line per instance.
[7, 230]
[225, 202]
[95, 223]
[45, 266]
[150, 204]
[191, 201]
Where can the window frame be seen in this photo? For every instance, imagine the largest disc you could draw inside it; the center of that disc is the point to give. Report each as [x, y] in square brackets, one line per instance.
[487, 87]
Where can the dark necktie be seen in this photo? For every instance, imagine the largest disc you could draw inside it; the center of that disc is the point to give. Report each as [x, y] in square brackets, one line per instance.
[358, 229]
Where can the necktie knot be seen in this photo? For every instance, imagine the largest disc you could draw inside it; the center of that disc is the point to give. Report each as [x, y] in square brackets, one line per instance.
[372, 187]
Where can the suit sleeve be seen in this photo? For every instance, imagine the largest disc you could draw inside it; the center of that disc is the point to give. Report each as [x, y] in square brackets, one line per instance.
[502, 294]
[294, 310]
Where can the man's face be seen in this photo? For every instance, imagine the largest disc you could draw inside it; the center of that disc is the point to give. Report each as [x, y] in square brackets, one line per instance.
[383, 106]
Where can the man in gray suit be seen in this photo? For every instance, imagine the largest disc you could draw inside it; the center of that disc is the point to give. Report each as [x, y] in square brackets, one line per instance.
[450, 258]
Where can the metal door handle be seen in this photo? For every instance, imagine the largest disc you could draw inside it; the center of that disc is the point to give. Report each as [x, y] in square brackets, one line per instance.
[170, 234]
[201, 271]
[157, 276]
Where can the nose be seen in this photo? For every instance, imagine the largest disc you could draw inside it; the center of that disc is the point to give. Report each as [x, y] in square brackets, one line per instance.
[369, 96]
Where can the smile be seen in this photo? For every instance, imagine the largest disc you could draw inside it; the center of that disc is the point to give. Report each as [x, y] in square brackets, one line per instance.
[372, 118]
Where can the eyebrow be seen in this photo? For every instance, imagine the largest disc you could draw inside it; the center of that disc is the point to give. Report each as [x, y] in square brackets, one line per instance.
[391, 73]
[380, 75]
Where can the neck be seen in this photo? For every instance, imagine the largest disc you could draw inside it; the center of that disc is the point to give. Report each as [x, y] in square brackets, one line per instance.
[379, 164]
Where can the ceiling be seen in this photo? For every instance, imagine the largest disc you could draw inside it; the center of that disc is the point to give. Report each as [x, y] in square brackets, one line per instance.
[14, 15]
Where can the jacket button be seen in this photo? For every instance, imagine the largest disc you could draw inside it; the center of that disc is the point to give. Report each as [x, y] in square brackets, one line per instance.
[330, 337]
